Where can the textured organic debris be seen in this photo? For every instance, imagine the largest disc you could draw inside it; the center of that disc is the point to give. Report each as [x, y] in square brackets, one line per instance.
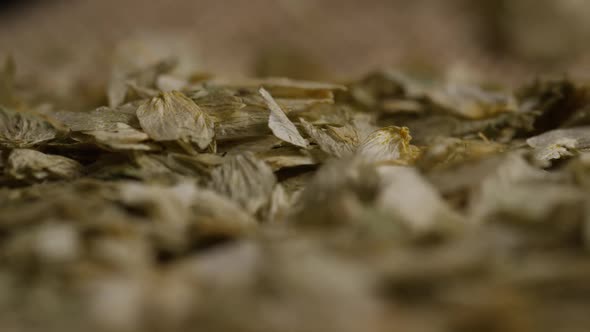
[102, 118]
[444, 152]
[335, 141]
[126, 77]
[31, 165]
[391, 203]
[390, 144]
[172, 116]
[280, 124]
[245, 179]
[421, 208]
[121, 137]
[22, 129]
[474, 102]
[560, 143]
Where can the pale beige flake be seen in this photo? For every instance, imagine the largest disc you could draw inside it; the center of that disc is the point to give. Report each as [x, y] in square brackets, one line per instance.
[24, 164]
[172, 116]
[280, 124]
[21, 129]
[123, 137]
[335, 141]
[245, 179]
[560, 143]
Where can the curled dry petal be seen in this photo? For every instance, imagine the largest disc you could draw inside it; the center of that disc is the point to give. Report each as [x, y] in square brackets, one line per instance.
[280, 124]
[389, 144]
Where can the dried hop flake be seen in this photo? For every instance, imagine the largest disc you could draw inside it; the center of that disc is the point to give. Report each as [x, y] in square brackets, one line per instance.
[390, 144]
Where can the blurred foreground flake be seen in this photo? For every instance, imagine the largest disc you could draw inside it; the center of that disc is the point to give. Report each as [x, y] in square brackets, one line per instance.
[505, 194]
[281, 281]
[172, 116]
[407, 195]
[166, 208]
[246, 180]
[560, 143]
[339, 194]
[23, 129]
[389, 144]
[280, 124]
[31, 165]
[217, 215]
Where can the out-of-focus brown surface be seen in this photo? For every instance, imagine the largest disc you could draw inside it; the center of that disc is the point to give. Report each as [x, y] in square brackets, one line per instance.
[336, 38]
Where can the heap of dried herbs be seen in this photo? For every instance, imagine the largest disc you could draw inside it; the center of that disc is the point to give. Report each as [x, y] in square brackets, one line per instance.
[391, 203]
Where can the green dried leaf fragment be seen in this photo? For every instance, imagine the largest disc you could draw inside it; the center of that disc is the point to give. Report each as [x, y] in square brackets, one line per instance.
[280, 124]
[31, 165]
[245, 179]
[22, 129]
[389, 144]
[172, 116]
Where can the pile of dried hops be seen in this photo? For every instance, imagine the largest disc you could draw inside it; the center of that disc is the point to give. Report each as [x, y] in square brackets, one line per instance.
[391, 203]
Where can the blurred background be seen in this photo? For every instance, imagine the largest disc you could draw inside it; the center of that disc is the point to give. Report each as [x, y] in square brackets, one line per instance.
[66, 45]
